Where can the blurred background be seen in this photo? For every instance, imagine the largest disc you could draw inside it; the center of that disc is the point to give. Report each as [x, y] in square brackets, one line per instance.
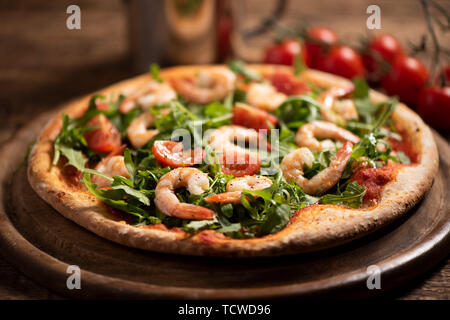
[44, 64]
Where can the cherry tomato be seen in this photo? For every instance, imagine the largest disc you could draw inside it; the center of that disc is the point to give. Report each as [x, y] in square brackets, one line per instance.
[342, 61]
[240, 165]
[288, 84]
[251, 117]
[434, 107]
[316, 39]
[284, 53]
[171, 153]
[104, 139]
[381, 47]
[406, 78]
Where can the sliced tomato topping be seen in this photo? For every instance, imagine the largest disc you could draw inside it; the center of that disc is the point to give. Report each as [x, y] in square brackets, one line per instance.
[171, 153]
[104, 139]
[251, 117]
[240, 164]
[288, 84]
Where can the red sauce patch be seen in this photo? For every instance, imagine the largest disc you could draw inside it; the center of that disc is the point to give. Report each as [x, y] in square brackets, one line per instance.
[406, 146]
[288, 84]
[374, 179]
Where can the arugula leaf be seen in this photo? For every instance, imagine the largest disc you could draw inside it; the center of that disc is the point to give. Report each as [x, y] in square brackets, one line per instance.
[195, 226]
[114, 198]
[74, 157]
[141, 197]
[367, 146]
[321, 162]
[230, 229]
[154, 70]
[238, 67]
[361, 88]
[129, 163]
[296, 111]
[277, 218]
[403, 158]
[352, 196]
[299, 65]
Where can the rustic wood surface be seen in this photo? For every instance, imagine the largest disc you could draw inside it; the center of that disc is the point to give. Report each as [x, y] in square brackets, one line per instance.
[43, 64]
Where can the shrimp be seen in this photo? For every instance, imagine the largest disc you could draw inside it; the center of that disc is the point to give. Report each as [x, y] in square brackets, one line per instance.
[224, 138]
[167, 202]
[151, 94]
[334, 110]
[138, 132]
[236, 186]
[209, 85]
[112, 165]
[308, 133]
[264, 96]
[292, 167]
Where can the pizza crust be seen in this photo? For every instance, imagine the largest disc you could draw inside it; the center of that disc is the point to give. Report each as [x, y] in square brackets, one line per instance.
[312, 228]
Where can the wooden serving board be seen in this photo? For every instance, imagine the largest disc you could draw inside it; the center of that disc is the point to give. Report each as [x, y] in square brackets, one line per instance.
[42, 244]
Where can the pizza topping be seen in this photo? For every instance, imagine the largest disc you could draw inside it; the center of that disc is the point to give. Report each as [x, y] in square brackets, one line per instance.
[251, 117]
[404, 148]
[288, 84]
[307, 135]
[104, 139]
[293, 164]
[207, 86]
[236, 186]
[171, 153]
[264, 96]
[148, 95]
[374, 180]
[138, 132]
[167, 202]
[112, 165]
[334, 110]
[225, 175]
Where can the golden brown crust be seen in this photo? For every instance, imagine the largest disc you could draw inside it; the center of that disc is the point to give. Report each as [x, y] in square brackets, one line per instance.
[312, 228]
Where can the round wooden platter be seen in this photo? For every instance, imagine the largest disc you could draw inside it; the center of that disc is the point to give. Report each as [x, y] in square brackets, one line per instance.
[42, 244]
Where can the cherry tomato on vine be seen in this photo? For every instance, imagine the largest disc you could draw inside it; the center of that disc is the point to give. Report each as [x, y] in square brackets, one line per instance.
[316, 40]
[284, 52]
[381, 48]
[342, 61]
[406, 79]
[434, 107]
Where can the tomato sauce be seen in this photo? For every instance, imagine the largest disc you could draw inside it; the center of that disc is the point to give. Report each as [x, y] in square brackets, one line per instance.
[374, 180]
[405, 145]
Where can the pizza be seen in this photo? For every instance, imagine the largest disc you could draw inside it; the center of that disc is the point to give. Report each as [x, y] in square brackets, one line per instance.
[234, 160]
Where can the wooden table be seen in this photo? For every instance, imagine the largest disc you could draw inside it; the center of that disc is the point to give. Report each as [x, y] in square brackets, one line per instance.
[43, 64]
